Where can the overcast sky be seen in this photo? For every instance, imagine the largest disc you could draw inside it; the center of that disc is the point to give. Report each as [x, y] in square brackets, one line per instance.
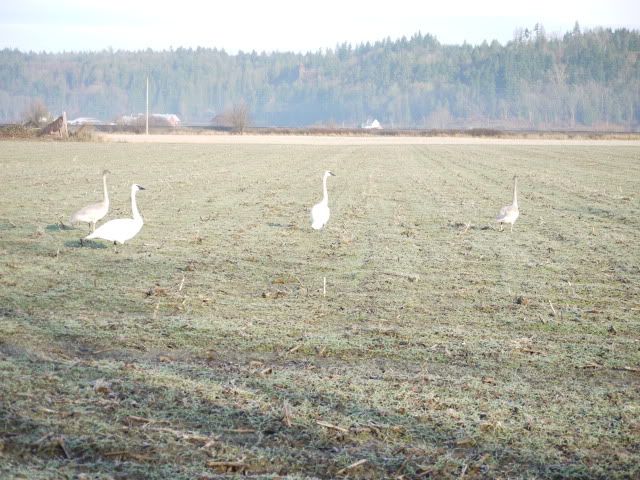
[288, 25]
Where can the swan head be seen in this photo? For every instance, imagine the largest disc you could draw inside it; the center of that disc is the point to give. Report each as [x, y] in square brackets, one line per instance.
[328, 174]
[105, 172]
[135, 187]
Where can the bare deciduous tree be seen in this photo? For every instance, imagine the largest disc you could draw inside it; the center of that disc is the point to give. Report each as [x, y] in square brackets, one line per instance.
[235, 117]
[37, 114]
[239, 116]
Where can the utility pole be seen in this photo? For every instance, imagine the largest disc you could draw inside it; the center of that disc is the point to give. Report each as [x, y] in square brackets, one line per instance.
[147, 115]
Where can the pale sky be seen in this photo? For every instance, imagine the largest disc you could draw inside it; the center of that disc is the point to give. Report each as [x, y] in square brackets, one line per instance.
[288, 25]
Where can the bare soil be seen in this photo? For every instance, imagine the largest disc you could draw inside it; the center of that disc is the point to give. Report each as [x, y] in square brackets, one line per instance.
[351, 140]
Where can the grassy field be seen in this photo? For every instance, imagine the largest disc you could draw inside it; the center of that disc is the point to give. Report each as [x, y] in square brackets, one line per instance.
[205, 347]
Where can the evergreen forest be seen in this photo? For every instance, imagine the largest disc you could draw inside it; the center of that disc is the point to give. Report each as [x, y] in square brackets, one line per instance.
[580, 80]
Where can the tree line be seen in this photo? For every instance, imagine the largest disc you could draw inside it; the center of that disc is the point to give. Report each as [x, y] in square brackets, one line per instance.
[583, 79]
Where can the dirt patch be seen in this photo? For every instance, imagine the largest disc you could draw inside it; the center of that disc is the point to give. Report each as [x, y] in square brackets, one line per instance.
[355, 140]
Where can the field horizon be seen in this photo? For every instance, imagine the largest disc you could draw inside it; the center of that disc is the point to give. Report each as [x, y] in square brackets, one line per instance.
[354, 139]
[207, 346]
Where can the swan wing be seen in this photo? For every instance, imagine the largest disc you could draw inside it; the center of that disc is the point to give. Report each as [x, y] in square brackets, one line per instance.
[319, 215]
[315, 210]
[90, 213]
[119, 230]
[507, 213]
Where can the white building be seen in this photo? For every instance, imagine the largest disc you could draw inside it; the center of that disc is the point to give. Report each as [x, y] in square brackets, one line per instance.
[85, 121]
[372, 124]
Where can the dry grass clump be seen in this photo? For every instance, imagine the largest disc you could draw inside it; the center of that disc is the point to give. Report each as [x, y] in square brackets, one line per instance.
[86, 133]
[17, 132]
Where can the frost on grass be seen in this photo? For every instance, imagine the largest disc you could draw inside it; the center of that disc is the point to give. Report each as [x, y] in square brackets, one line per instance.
[440, 348]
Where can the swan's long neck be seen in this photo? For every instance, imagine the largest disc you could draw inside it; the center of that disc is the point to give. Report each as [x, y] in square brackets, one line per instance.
[134, 206]
[515, 192]
[325, 195]
[106, 194]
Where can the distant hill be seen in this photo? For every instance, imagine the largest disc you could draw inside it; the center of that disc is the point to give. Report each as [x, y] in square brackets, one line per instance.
[584, 80]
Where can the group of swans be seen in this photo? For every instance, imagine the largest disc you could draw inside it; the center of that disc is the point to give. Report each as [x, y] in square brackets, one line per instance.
[320, 211]
[117, 231]
[122, 229]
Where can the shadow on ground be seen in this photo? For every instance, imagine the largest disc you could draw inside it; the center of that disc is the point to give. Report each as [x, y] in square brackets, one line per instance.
[84, 244]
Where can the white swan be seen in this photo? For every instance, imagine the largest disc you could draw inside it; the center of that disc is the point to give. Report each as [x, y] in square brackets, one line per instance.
[121, 229]
[510, 213]
[320, 211]
[92, 213]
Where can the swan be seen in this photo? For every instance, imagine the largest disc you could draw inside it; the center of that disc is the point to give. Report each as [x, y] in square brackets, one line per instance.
[94, 212]
[121, 229]
[320, 211]
[510, 213]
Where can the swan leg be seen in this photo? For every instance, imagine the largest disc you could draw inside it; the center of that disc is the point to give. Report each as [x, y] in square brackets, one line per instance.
[82, 242]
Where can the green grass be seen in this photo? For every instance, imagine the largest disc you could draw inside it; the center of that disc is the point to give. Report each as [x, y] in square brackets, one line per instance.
[436, 352]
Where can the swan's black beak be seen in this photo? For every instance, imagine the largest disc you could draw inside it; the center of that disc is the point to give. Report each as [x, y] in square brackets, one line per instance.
[141, 187]
[332, 174]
